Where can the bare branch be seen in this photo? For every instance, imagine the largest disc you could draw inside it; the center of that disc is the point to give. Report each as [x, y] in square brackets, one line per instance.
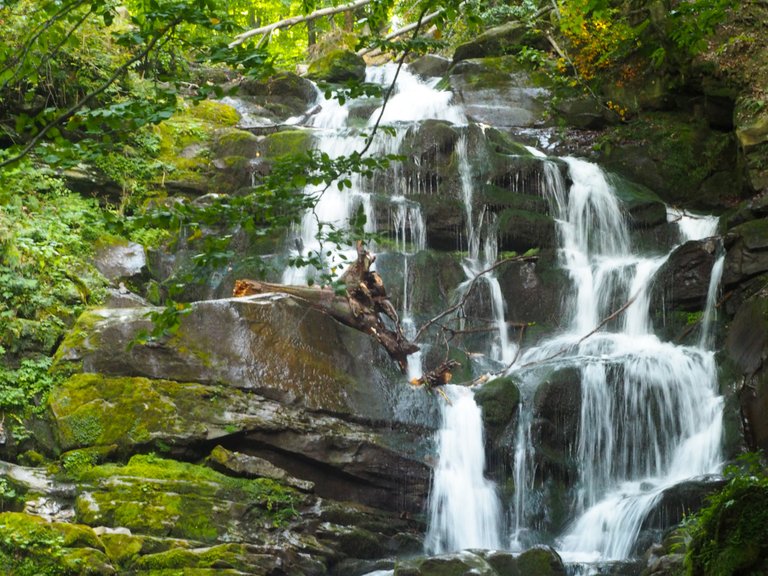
[469, 289]
[292, 21]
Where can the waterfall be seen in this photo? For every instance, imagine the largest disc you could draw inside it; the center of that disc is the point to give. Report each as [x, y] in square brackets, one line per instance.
[464, 507]
[650, 413]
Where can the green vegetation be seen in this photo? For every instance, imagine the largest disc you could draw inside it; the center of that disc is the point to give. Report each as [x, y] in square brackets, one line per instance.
[729, 536]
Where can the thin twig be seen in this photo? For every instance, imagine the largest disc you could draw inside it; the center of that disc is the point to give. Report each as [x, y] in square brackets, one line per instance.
[469, 289]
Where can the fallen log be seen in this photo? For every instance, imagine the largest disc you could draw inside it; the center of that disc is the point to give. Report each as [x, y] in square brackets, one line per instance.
[364, 305]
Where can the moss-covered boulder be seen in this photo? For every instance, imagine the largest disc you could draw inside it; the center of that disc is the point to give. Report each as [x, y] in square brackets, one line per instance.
[337, 65]
[505, 39]
[30, 546]
[679, 157]
[457, 564]
[499, 400]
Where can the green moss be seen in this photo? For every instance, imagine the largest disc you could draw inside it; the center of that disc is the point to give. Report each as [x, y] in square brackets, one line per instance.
[214, 112]
[122, 549]
[162, 497]
[730, 535]
[753, 233]
[31, 546]
[337, 65]
[287, 142]
[498, 399]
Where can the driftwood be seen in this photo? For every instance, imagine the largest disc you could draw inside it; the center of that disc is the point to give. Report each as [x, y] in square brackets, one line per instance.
[365, 305]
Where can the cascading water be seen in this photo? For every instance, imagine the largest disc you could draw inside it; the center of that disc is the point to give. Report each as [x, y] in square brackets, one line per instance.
[464, 509]
[650, 413]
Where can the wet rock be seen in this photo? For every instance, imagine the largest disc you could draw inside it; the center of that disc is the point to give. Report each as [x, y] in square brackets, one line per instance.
[500, 98]
[645, 208]
[521, 230]
[534, 292]
[499, 400]
[682, 283]
[681, 500]
[747, 347]
[430, 65]
[557, 412]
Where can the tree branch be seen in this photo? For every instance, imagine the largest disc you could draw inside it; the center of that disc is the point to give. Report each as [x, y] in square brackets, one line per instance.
[88, 97]
[292, 21]
[469, 289]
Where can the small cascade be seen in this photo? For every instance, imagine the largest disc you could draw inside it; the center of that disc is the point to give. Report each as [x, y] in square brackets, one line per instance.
[408, 224]
[465, 511]
[650, 413]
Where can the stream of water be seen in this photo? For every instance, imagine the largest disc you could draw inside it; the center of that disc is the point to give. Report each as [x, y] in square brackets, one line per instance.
[650, 414]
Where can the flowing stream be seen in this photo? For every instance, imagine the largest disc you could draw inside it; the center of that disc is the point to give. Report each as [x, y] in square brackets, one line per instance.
[650, 414]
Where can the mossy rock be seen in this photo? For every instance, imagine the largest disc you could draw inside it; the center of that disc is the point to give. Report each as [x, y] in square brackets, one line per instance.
[216, 113]
[163, 497]
[504, 39]
[337, 65]
[225, 556]
[95, 410]
[286, 143]
[233, 142]
[675, 155]
[31, 546]
[521, 230]
[499, 400]
[458, 564]
[643, 205]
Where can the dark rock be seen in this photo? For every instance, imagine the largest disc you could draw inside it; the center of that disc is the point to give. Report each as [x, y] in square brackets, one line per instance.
[282, 95]
[557, 413]
[681, 500]
[534, 292]
[645, 208]
[430, 65]
[521, 230]
[459, 564]
[583, 113]
[499, 400]
[747, 347]
[747, 251]
[682, 283]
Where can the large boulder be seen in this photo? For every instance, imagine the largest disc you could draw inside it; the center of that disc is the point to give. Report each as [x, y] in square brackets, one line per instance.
[747, 251]
[500, 93]
[280, 96]
[682, 283]
[337, 65]
[505, 39]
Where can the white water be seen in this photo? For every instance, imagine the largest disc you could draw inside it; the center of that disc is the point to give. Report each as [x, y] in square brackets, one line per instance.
[650, 413]
[464, 507]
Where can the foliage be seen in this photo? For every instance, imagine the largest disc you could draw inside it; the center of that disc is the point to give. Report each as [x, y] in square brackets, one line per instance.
[730, 534]
[598, 34]
[46, 237]
[30, 547]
